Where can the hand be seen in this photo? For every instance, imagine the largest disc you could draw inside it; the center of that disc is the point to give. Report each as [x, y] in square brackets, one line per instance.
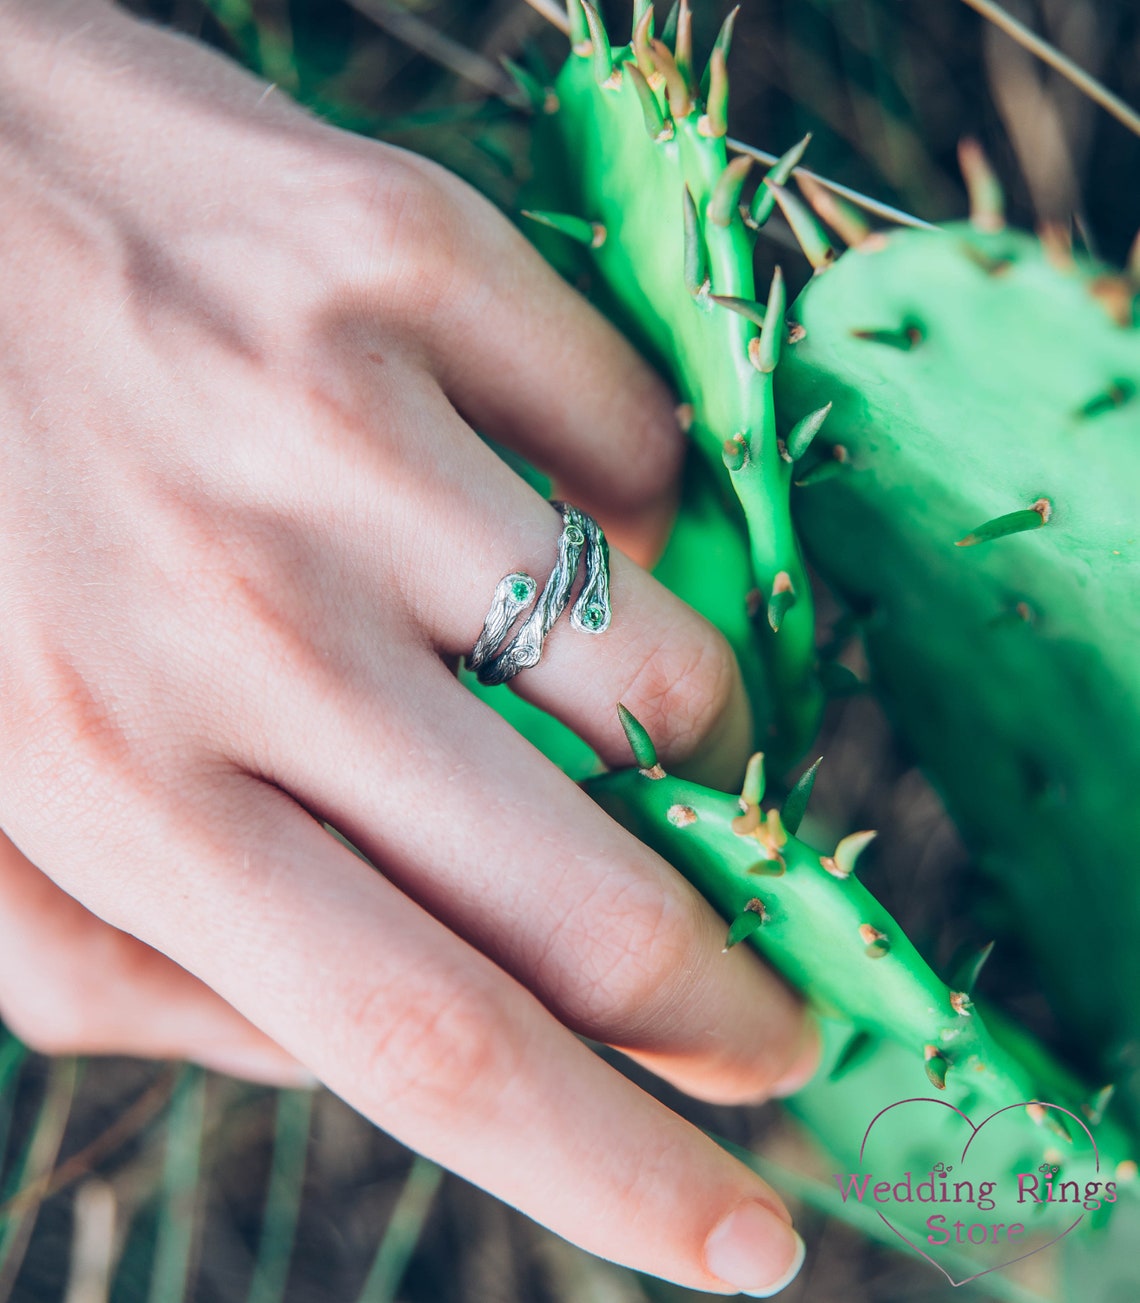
[244, 534]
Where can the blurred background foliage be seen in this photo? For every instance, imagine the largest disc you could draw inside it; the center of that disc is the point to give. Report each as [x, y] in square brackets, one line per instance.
[123, 1182]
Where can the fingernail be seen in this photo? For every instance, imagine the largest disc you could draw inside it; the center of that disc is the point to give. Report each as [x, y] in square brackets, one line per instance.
[806, 1064]
[748, 1245]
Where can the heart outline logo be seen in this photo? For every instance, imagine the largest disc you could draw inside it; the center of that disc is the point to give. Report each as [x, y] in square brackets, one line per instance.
[974, 1132]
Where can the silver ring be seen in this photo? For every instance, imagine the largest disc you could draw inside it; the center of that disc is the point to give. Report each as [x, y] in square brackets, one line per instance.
[497, 656]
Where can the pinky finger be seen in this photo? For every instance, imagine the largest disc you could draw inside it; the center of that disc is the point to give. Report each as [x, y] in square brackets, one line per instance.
[73, 984]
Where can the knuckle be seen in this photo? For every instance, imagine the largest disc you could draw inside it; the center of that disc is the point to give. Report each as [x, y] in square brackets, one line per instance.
[403, 219]
[631, 955]
[656, 454]
[445, 1051]
[683, 687]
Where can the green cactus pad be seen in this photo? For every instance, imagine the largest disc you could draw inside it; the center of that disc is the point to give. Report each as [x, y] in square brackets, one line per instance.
[984, 395]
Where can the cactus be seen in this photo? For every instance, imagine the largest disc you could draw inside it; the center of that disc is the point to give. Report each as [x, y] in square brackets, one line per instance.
[982, 525]
[635, 195]
[632, 174]
[893, 1028]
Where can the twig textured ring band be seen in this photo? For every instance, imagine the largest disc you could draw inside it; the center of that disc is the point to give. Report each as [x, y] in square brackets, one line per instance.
[497, 656]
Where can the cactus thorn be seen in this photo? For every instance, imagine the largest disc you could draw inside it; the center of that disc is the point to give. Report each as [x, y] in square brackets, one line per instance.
[747, 824]
[1095, 1108]
[987, 202]
[685, 414]
[858, 1049]
[844, 219]
[658, 126]
[1116, 395]
[1117, 296]
[642, 36]
[764, 350]
[579, 28]
[752, 791]
[681, 816]
[842, 863]
[749, 920]
[749, 309]
[536, 96]
[606, 74]
[764, 200]
[877, 943]
[591, 234]
[1015, 522]
[714, 121]
[804, 431]
[810, 235]
[683, 42]
[640, 743]
[641, 10]
[669, 31]
[796, 332]
[782, 600]
[1126, 1171]
[776, 836]
[796, 803]
[723, 43]
[725, 198]
[696, 260]
[907, 336]
[936, 1065]
[676, 87]
[966, 975]
[1048, 1117]
[961, 1003]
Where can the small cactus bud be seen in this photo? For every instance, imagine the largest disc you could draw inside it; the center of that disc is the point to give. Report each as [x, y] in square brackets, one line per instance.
[764, 201]
[877, 942]
[804, 431]
[681, 816]
[936, 1066]
[749, 920]
[782, 600]
[640, 743]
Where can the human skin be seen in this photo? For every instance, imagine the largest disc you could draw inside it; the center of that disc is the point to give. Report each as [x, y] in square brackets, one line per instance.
[246, 531]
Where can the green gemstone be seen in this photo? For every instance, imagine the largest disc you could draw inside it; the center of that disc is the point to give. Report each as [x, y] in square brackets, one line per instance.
[592, 616]
[520, 590]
